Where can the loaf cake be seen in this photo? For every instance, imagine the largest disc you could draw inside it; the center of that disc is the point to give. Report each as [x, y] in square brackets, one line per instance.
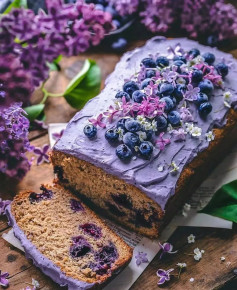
[165, 118]
[65, 239]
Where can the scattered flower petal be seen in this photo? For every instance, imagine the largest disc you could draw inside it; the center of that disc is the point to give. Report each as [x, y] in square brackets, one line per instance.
[141, 258]
[42, 153]
[191, 239]
[4, 279]
[163, 275]
[166, 248]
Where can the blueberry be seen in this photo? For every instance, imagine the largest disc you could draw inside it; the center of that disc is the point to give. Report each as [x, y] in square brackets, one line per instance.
[132, 125]
[194, 52]
[162, 61]
[174, 118]
[130, 87]
[209, 58]
[179, 92]
[146, 149]
[131, 140]
[112, 135]
[206, 87]
[121, 123]
[121, 94]
[146, 83]
[148, 62]
[169, 105]
[138, 96]
[150, 73]
[222, 69]
[173, 100]
[178, 63]
[149, 134]
[180, 57]
[161, 123]
[197, 76]
[205, 109]
[201, 98]
[119, 44]
[90, 131]
[124, 152]
[166, 89]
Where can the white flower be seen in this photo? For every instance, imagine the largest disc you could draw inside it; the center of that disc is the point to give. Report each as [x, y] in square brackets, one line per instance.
[198, 254]
[35, 283]
[175, 168]
[227, 99]
[191, 239]
[169, 128]
[160, 168]
[196, 131]
[117, 104]
[181, 81]
[191, 280]
[222, 259]
[187, 207]
[147, 126]
[154, 125]
[227, 104]
[141, 119]
[189, 127]
[120, 132]
[142, 135]
[210, 136]
[182, 265]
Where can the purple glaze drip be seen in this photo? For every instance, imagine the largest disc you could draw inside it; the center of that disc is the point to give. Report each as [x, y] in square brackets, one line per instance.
[144, 174]
[76, 205]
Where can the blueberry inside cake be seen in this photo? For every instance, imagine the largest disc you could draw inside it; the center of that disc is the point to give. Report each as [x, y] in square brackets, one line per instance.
[165, 118]
[66, 239]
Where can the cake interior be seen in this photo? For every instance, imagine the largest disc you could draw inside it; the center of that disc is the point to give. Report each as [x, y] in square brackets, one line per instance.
[69, 234]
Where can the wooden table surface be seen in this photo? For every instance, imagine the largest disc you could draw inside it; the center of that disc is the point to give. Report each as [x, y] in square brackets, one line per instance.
[209, 273]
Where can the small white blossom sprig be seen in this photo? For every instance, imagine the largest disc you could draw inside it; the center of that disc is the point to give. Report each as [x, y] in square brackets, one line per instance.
[166, 248]
[191, 239]
[227, 99]
[198, 254]
[194, 131]
[186, 209]
[174, 168]
[181, 267]
[210, 136]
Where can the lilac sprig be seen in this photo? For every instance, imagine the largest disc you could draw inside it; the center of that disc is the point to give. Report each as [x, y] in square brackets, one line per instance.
[141, 257]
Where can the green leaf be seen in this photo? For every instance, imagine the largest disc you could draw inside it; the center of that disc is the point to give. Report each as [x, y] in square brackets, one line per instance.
[84, 86]
[224, 203]
[33, 112]
[16, 4]
[54, 66]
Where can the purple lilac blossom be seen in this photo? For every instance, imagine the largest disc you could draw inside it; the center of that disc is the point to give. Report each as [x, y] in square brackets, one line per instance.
[42, 154]
[4, 279]
[141, 257]
[125, 7]
[163, 275]
[166, 248]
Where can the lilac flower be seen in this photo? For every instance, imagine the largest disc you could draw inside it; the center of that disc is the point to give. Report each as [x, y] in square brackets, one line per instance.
[3, 279]
[146, 108]
[151, 89]
[179, 135]
[169, 76]
[42, 153]
[98, 121]
[141, 258]
[141, 74]
[186, 115]
[163, 275]
[177, 50]
[38, 125]
[191, 93]
[125, 7]
[162, 142]
[3, 205]
[111, 113]
[166, 248]
[57, 136]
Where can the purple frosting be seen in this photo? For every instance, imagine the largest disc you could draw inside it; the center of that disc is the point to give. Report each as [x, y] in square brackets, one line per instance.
[39, 260]
[144, 174]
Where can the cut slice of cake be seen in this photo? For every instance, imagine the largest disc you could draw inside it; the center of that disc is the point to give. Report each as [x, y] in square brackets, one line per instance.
[164, 120]
[65, 239]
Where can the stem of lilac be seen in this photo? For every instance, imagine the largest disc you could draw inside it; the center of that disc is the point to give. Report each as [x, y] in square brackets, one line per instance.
[180, 269]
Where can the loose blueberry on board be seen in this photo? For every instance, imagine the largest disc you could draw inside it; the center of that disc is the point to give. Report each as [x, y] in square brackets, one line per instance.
[146, 83]
[201, 98]
[166, 89]
[148, 62]
[194, 52]
[112, 135]
[180, 57]
[90, 131]
[179, 92]
[131, 140]
[161, 123]
[222, 69]
[146, 149]
[119, 44]
[205, 109]
[209, 58]
[124, 152]
[121, 94]
[150, 73]
[206, 87]
[162, 61]
[132, 125]
[130, 87]
[178, 63]
[121, 124]
[174, 118]
[197, 76]
[138, 96]
[169, 105]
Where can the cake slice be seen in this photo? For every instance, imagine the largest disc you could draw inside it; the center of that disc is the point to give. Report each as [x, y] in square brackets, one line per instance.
[65, 239]
[164, 120]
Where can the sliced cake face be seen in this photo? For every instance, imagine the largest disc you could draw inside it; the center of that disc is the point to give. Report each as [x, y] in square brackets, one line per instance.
[156, 113]
[65, 238]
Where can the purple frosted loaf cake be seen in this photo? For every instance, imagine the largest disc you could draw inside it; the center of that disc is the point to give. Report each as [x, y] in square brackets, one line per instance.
[65, 239]
[164, 119]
